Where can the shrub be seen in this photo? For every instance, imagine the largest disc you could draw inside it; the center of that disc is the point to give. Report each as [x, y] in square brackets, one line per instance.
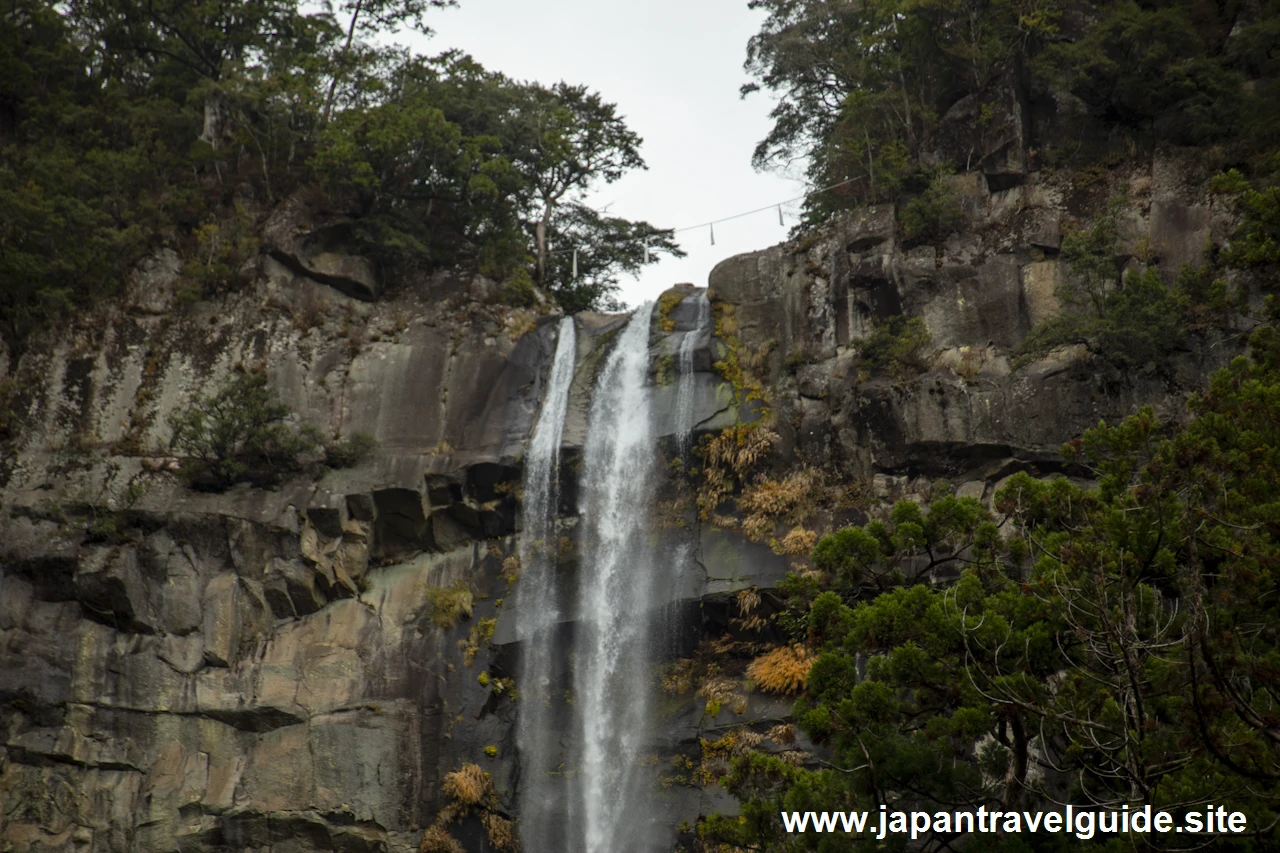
[238, 434]
[893, 345]
[436, 839]
[481, 633]
[798, 542]
[349, 452]
[468, 785]
[1256, 242]
[934, 214]
[1140, 322]
[783, 670]
[450, 603]
[1127, 323]
[501, 833]
[519, 291]
[727, 459]
[224, 253]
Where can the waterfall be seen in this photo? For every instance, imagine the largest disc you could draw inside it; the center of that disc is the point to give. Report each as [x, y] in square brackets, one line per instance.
[684, 393]
[591, 630]
[612, 647]
[538, 605]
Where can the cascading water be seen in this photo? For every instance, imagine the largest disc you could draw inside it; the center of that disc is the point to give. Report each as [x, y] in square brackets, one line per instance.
[685, 391]
[538, 602]
[617, 608]
[591, 632]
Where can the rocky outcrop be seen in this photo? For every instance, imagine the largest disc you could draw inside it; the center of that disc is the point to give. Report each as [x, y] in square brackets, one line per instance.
[967, 412]
[296, 668]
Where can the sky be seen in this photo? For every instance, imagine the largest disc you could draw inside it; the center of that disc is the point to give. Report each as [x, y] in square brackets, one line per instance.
[673, 67]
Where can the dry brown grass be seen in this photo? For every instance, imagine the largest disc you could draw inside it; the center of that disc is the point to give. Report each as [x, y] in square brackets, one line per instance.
[783, 733]
[783, 670]
[436, 839]
[500, 831]
[720, 691]
[468, 785]
[794, 757]
[798, 543]
[748, 618]
[766, 501]
[728, 459]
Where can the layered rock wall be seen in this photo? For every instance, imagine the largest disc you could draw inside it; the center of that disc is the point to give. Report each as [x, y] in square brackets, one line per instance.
[275, 669]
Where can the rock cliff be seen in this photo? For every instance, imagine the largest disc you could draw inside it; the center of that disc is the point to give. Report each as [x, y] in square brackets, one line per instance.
[269, 669]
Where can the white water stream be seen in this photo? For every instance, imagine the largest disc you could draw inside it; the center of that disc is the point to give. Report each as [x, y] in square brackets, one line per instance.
[685, 412]
[616, 595]
[592, 628]
[539, 605]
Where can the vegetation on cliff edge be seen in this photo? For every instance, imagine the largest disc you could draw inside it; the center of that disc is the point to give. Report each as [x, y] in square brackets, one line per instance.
[1107, 645]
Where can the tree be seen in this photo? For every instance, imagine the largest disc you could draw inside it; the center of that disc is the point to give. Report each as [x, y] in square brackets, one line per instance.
[423, 160]
[1146, 66]
[238, 433]
[208, 42]
[367, 18]
[1128, 322]
[861, 84]
[1118, 646]
[566, 138]
[606, 247]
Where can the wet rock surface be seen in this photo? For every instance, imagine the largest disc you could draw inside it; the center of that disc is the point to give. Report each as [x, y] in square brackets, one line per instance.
[281, 669]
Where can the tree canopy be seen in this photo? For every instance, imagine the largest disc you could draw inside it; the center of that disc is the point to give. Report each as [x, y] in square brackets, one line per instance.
[864, 87]
[1103, 643]
[127, 125]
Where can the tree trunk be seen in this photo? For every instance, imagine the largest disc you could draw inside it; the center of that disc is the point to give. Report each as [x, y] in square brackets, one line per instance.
[337, 71]
[215, 130]
[540, 233]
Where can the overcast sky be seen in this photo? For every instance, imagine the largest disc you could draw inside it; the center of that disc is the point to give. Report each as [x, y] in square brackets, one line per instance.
[673, 67]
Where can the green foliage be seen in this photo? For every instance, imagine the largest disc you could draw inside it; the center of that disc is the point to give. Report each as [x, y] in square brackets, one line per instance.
[422, 155]
[933, 214]
[861, 88]
[1150, 68]
[1141, 322]
[1127, 324]
[893, 345]
[451, 603]
[130, 125]
[350, 451]
[1256, 242]
[1120, 634]
[238, 434]
[518, 290]
[608, 247]
[225, 257]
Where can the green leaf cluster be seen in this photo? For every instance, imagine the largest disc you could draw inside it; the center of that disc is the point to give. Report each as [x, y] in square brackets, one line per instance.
[1105, 644]
[238, 433]
[861, 88]
[129, 125]
[893, 344]
[1127, 322]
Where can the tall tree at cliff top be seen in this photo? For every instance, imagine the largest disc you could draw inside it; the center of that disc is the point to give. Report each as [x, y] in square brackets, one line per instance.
[863, 85]
[1120, 647]
[128, 125]
[567, 140]
[448, 161]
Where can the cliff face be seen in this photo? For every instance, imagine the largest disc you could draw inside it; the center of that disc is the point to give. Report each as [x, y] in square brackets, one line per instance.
[965, 411]
[267, 669]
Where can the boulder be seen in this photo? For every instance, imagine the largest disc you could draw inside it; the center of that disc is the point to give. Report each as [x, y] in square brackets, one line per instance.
[152, 287]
